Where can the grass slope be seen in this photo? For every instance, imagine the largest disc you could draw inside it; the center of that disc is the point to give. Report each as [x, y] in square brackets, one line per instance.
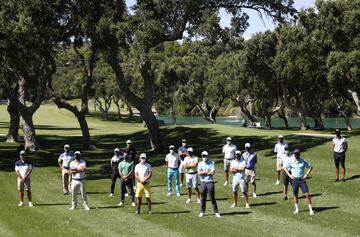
[336, 204]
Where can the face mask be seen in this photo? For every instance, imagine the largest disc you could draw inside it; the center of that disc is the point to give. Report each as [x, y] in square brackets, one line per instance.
[238, 157]
[287, 152]
[172, 151]
[142, 161]
[190, 153]
[297, 156]
[205, 159]
[228, 142]
[77, 158]
[184, 144]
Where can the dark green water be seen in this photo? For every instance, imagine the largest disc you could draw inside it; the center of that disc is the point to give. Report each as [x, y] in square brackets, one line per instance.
[276, 122]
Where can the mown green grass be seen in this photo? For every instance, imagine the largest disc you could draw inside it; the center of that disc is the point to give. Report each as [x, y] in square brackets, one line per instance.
[337, 205]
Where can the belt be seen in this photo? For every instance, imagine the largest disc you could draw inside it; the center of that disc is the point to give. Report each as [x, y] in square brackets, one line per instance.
[249, 168]
[78, 179]
[65, 167]
[173, 168]
[191, 172]
[229, 158]
[339, 152]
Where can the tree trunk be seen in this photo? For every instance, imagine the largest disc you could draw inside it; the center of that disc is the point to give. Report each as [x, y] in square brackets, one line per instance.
[356, 100]
[152, 126]
[173, 115]
[84, 130]
[13, 133]
[29, 132]
[131, 113]
[282, 115]
[303, 123]
[94, 103]
[117, 104]
[318, 122]
[347, 121]
[268, 121]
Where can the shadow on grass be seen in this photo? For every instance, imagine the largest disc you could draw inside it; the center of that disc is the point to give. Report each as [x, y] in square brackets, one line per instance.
[263, 204]
[97, 192]
[268, 193]
[235, 213]
[354, 177]
[320, 209]
[52, 204]
[170, 212]
[312, 195]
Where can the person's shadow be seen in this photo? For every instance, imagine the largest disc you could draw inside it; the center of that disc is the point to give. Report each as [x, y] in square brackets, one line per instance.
[354, 177]
[320, 209]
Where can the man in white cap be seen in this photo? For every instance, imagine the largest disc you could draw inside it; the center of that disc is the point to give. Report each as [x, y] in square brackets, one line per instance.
[172, 161]
[340, 146]
[229, 150]
[131, 150]
[279, 150]
[64, 164]
[286, 158]
[126, 171]
[114, 164]
[23, 170]
[143, 173]
[206, 170]
[250, 158]
[237, 167]
[298, 176]
[182, 151]
[190, 165]
[77, 170]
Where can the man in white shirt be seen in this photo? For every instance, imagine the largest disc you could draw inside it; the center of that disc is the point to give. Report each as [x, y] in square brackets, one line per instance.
[190, 165]
[279, 150]
[237, 167]
[340, 146]
[77, 170]
[114, 164]
[229, 155]
[172, 161]
[23, 170]
[64, 164]
[143, 173]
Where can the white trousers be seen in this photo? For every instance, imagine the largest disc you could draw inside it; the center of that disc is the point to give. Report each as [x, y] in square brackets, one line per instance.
[75, 186]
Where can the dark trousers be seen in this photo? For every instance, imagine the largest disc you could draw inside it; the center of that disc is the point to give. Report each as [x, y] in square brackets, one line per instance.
[206, 188]
[129, 184]
[114, 176]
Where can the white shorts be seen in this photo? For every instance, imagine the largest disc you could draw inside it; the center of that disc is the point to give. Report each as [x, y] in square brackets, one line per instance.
[278, 164]
[227, 163]
[239, 183]
[250, 175]
[191, 180]
[181, 167]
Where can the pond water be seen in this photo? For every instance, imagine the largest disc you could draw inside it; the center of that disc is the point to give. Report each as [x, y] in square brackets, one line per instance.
[276, 122]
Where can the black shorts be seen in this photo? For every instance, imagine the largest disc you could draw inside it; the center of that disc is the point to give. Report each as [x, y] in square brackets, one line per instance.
[339, 158]
[286, 178]
[298, 182]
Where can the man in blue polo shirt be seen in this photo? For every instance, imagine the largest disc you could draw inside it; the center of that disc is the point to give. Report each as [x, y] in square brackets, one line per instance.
[295, 169]
[23, 169]
[206, 170]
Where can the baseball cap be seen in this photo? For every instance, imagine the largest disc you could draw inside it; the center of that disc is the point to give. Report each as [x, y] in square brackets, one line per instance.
[128, 142]
[172, 147]
[280, 136]
[116, 150]
[247, 144]
[191, 149]
[337, 130]
[183, 140]
[228, 139]
[66, 146]
[77, 153]
[204, 153]
[238, 152]
[23, 152]
[142, 156]
[297, 151]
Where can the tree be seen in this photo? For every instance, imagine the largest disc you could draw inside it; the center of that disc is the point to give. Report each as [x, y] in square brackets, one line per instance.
[26, 65]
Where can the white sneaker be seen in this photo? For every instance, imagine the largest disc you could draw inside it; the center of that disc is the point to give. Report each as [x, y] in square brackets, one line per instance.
[296, 211]
[277, 182]
[233, 205]
[198, 201]
[134, 187]
[86, 207]
[188, 201]
[30, 204]
[201, 214]
[226, 183]
[111, 194]
[178, 194]
[169, 194]
[21, 204]
[217, 214]
[121, 204]
[133, 204]
[247, 205]
[72, 208]
[181, 185]
[126, 194]
[312, 212]
[254, 195]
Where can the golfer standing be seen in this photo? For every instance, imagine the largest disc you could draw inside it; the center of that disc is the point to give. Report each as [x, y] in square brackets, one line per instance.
[206, 170]
[229, 154]
[279, 150]
[143, 173]
[172, 161]
[190, 165]
[250, 158]
[64, 163]
[23, 170]
[182, 151]
[340, 146]
[237, 167]
[298, 177]
[114, 164]
[286, 158]
[77, 170]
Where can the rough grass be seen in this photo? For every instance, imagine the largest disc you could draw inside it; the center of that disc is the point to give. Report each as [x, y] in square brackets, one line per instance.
[336, 204]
